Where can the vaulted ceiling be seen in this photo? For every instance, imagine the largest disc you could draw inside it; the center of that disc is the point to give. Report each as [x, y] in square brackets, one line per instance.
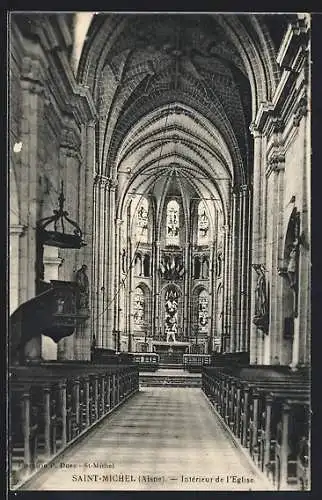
[177, 92]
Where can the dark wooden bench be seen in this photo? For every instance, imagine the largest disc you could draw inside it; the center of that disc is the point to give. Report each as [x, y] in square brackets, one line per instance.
[51, 404]
[250, 400]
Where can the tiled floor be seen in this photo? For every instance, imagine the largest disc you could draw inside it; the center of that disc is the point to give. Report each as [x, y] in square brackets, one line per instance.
[161, 439]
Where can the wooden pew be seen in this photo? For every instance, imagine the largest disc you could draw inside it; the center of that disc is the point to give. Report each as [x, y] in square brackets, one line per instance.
[251, 407]
[51, 404]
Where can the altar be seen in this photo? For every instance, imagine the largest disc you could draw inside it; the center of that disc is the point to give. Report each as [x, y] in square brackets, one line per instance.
[170, 352]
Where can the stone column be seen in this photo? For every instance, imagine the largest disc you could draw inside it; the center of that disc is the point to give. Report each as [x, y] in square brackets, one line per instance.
[256, 254]
[276, 169]
[117, 282]
[157, 288]
[33, 97]
[187, 288]
[212, 312]
[244, 267]
[233, 277]
[86, 218]
[237, 270]
[301, 351]
[16, 231]
[99, 301]
[111, 340]
[129, 289]
[226, 289]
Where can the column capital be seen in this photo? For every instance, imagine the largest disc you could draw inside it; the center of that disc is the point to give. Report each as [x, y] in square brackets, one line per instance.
[254, 130]
[101, 181]
[113, 183]
[17, 229]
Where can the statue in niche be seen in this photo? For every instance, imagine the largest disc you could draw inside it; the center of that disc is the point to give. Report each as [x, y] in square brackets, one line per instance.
[261, 317]
[138, 265]
[292, 265]
[83, 284]
[205, 268]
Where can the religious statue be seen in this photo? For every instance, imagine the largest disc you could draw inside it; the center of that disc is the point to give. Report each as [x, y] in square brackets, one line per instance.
[83, 284]
[261, 317]
[292, 264]
[171, 320]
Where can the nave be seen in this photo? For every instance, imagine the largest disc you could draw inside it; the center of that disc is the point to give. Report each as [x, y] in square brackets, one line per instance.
[162, 439]
[160, 218]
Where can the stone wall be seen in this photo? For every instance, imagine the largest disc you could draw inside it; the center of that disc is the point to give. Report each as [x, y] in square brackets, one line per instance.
[49, 116]
[281, 130]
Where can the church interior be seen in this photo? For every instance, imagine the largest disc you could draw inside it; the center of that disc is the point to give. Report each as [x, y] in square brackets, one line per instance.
[160, 245]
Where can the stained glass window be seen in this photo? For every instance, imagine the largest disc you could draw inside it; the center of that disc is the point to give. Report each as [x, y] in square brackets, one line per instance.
[203, 225]
[173, 226]
[203, 312]
[142, 222]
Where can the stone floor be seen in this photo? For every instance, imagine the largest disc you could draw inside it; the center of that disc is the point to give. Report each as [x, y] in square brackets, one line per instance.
[161, 439]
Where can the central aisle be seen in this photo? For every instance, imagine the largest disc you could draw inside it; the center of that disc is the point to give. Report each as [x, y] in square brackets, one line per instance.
[162, 438]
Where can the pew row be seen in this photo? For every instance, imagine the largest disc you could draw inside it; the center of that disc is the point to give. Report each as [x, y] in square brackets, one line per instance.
[268, 410]
[51, 405]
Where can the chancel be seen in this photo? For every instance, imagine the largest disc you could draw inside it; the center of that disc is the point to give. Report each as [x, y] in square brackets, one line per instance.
[160, 212]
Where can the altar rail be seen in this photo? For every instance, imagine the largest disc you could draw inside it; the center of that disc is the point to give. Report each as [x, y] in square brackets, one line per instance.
[146, 361]
[195, 362]
[268, 411]
[53, 404]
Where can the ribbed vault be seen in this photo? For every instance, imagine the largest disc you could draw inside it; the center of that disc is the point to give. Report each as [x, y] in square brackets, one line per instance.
[176, 140]
[217, 68]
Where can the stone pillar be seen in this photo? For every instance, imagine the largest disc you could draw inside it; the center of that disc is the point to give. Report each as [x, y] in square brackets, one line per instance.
[99, 286]
[276, 169]
[237, 271]
[157, 288]
[154, 271]
[117, 282]
[111, 340]
[256, 254]
[233, 277]
[226, 289]
[16, 231]
[86, 218]
[212, 312]
[302, 356]
[244, 244]
[33, 97]
[129, 288]
[187, 288]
